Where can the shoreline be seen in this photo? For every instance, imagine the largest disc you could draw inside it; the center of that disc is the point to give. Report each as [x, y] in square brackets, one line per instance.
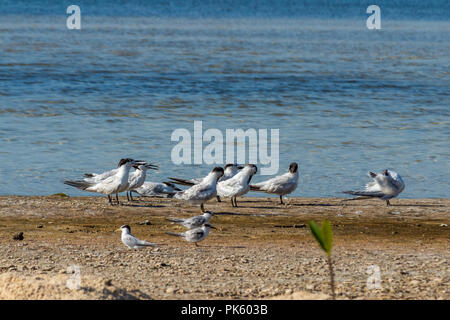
[261, 250]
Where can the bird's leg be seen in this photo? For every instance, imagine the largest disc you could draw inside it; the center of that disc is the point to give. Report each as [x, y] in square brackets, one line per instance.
[196, 244]
[110, 200]
[117, 198]
[128, 198]
[131, 196]
[388, 203]
[232, 203]
[203, 208]
[235, 202]
[218, 199]
[281, 200]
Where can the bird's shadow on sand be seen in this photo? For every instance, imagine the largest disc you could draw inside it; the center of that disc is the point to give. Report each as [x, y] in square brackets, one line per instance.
[316, 204]
[265, 207]
[248, 214]
[230, 214]
[392, 205]
[142, 205]
[417, 205]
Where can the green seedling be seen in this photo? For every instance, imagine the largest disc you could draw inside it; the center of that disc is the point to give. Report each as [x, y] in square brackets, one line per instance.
[63, 195]
[324, 237]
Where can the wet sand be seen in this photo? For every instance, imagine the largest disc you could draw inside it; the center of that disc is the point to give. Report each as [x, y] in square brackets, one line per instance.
[261, 250]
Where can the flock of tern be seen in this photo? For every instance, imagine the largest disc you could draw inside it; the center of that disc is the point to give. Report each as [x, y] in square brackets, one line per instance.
[232, 181]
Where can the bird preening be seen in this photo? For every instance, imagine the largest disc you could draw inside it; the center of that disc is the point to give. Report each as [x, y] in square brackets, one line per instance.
[385, 186]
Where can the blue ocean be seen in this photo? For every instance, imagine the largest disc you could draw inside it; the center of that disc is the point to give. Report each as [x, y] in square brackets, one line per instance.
[346, 99]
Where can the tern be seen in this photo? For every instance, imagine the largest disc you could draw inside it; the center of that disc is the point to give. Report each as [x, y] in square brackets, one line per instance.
[385, 186]
[233, 187]
[201, 192]
[96, 177]
[194, 235]
[230, 170]
[137, 178]
[193, 222]
[131, 241]
[116, 183]
[237, 185]
[157, 189]
[280, 185]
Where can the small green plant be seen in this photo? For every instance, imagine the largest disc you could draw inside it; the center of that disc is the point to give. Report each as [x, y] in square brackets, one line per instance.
[324, 237]
[63, 195]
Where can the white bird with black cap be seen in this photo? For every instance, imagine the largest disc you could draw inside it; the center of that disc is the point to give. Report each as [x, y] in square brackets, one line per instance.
[137, 178]
[233, 187]
[238, 185]
[230, 170]
[131, 241]
[200, 193]
[280, 185]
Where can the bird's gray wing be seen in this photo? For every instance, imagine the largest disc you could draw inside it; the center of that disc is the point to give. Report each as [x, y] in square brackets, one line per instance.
[197, 220]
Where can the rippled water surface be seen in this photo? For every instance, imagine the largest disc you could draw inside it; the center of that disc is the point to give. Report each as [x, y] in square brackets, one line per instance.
[346, 99]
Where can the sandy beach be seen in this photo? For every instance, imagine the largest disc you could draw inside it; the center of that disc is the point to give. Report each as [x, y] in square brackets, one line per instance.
[261, 250]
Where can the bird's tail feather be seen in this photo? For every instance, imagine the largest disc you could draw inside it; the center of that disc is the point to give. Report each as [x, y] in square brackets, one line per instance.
[170, 184]
[183, 182]
[83, 185]
[365, 193]
[148, 244]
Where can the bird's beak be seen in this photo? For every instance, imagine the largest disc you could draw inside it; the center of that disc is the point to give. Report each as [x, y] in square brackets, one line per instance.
[240, 167]
[138, 162]
[152, 166]
[212, 227]
[118, 230]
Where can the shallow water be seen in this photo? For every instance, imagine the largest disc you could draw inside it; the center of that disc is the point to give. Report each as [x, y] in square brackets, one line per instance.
[346, 99]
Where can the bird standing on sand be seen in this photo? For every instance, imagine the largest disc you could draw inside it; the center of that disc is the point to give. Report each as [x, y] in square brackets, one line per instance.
[237, 185]
[385, 186]
[230, 170]
[200, 193]
[193, 222]
[137, 178]
[194, 235]
[233, 187]
[131, 241]
[116, 183]
[280, 185]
